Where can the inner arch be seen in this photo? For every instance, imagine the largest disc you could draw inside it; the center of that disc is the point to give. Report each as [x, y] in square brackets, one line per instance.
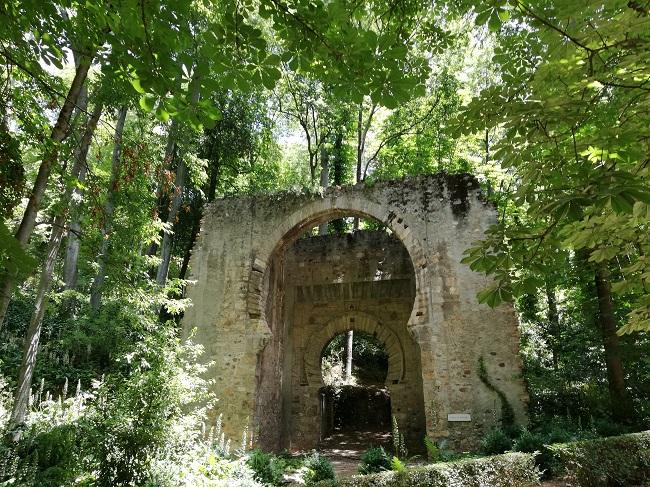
[357, 321]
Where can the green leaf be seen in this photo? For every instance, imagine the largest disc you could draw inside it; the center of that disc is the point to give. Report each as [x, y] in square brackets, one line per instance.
[494, 295]
[494, 24]
[162, 114]
[147, 102]
[603, 254]
[135, 82]
[504, 15]
[621, 204]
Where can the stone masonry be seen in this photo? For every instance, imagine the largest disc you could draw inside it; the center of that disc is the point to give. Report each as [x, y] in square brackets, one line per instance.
[265, 303]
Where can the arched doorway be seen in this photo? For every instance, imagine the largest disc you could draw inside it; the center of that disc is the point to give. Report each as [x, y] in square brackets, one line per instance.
[355, 401]
[318, 286]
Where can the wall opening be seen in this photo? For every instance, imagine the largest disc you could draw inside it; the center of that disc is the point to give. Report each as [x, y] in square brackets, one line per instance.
[355, 399]
[330, 274]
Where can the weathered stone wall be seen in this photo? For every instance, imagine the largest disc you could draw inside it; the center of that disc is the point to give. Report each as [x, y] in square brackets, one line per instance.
[239, 300]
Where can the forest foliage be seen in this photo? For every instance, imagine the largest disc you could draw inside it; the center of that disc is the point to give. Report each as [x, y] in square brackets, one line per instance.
[120, 121]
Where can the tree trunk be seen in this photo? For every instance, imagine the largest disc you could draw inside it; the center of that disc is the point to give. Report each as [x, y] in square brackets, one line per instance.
[161, 200]
[33, 335]
[179, 185]
[554, 323]
[490, 191]
[166, 244]
[214, 179]
[72, 241]
[324, 181]
[50, 156]
[59, 133]
[621, 405]
[197, 214]
[196, 226]
[23, 391]
[312, 167]
[348, 355]
[360, 143]
[109, 207]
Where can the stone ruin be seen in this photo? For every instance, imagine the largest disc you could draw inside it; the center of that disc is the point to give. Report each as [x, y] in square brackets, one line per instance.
[266, 302]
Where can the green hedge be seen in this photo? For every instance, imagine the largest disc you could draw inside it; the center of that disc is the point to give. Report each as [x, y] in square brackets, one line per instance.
[509, 470]
[604, 462]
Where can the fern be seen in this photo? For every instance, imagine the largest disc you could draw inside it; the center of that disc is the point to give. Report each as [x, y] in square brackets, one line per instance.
[397, 465]
[432, 449]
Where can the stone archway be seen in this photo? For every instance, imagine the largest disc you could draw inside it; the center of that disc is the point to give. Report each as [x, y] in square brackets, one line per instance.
[402, 383]
[437, 217]
[357, 321]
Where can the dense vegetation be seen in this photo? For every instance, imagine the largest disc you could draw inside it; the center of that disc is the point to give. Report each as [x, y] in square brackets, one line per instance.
[121, 120]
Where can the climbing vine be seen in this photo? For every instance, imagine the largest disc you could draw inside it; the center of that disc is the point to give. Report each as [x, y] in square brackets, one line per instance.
[507, 413]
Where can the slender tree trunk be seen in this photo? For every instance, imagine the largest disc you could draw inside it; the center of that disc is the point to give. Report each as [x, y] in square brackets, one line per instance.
[59, 133]
[161, 200]
[554, 323]
[72, 241]
[196, 226]
[312, 167]
[324, 182]
[214, 179]
[486, 141]
[166, 244]
[32, 338]
[188, 249]
[50, 157]
[23, 391]
[109, 208]
[179, 185]
[348, 355]
[360, 149]
[360, 143]
[621, 405]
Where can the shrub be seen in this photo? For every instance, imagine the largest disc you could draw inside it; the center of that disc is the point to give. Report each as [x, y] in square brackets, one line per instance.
[51, 446]
[495, 441]
[438, 452]
[136, 410]
[319, 468]
[606, 427]
[620, 460]
[529, 442]
[202, 468]
[374, 460]
[510, 470]
[267, 468]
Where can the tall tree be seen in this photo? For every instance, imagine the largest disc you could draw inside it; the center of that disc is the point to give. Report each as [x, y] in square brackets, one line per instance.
[576, 141]
[58, 134]
[109, 208]
[32, 337]
[302, 100]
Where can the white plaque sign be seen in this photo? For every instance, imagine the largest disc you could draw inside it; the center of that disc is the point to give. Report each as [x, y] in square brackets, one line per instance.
[459, 417]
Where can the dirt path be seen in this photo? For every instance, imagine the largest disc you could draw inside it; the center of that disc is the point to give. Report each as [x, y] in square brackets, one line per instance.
[344, 450]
